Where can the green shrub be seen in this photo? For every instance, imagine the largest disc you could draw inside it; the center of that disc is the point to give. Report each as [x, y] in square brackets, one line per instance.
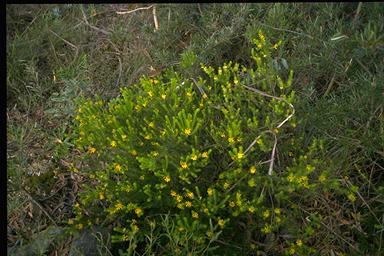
[202, 152]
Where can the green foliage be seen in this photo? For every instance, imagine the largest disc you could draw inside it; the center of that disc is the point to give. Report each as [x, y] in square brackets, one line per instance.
[199, 150]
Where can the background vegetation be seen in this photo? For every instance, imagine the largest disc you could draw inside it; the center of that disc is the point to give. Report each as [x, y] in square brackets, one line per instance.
[57, 53]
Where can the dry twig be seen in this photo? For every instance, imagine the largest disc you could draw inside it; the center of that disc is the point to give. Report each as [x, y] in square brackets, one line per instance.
[135, 10]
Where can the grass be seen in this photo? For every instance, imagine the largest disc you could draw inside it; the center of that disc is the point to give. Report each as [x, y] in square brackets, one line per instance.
[54, 56]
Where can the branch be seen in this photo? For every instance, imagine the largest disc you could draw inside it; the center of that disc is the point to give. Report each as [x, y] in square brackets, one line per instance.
[91, 26]
[135, 10]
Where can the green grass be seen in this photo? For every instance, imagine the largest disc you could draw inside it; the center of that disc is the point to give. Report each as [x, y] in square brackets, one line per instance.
[53, 57]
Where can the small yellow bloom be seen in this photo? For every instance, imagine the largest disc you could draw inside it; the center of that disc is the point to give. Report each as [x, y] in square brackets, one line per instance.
[187, 131]
[195, 215]
[137, 107]
[266, 214]
[118, 167]
[173, 193]
[188, 204]
[123, 136]
[226, 185]
[278, 219]
[133, 152]
[125, 237]
[252, 169]
[150, 94]
[222, 135]
[138, 212]
[251, 209]
[163, 96]
[267, 229]
[180, 205]
[167, 179]
[101, 196]
[70, 222]
[232, 204]
[299, 242]
[210, 191]
[113, 144]
[189, 94]
[155, 153]
[92, 150]
[240, 155]
[151, 124]
[277, 210]
[79, 226]
[291, 178]
[119, 206]
[179, 198]
[231, 140]
[235, 81]
[221, 222]
[204, 154]
[147, 137]
[292, 251]
[190, 195]
[205, 96]
[184, 165]
[194, 157]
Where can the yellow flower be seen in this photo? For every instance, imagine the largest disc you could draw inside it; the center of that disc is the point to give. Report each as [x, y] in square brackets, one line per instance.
[210, 191]
[240, 155]
[150, 94]
[133, 152]
[292, 251]
[291, 178]
[251, 209]
[195, 215]
[173, 193]
[118, 167]
[113, 144]
[299, 242]
[180, 205]
[151, 124]
[179, 198]
[184, 165]
[222, 135]
[194, 157]
[205, 96]
[123, 136]
[167, 179]
[119, 206]
[70, 222]
[190, 195]
[188, 204]
[231, 140]
[137, 107]
[204, 154]
[125, 237]
[235, 81]
[147, 137]
[266, 214]
[189, 94]
[278, 219]
[101, 196]
[187, 131]
[138, 212]
[221, 222]
[163, 96]
[232, 204]
[79, 226]
[267, 229]
[252, 169]
[226, 185]
[277, 210]
[155, 153]
[92, 150]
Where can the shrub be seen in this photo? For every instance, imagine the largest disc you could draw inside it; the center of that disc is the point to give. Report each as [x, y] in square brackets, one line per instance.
[203, 153]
